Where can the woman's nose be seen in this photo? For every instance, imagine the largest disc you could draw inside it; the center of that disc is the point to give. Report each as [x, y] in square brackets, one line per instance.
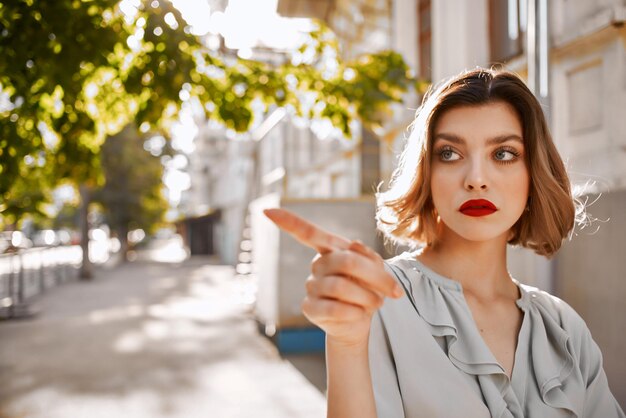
[476, 178]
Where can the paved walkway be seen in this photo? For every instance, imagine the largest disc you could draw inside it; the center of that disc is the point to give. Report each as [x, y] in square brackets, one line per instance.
[148, 340]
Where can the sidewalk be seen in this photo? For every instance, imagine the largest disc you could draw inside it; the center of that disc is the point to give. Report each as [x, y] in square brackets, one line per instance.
[148, 340]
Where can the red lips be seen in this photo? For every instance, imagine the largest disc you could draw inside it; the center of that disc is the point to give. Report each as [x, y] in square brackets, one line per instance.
[477, 207]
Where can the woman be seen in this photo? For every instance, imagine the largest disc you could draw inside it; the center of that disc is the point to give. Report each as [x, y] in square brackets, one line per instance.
[457, 336]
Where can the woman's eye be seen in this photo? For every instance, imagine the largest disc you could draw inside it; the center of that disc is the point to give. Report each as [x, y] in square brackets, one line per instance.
[448, 155]
[505, 155]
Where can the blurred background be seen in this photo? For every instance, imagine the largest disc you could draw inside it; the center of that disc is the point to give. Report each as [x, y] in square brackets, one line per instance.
[141, 140]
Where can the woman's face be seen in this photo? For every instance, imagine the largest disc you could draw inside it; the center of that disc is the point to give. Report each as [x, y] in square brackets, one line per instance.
[479, 179]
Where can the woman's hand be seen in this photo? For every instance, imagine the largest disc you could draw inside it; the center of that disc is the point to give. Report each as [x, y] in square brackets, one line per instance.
[344, 290]
[348, 281]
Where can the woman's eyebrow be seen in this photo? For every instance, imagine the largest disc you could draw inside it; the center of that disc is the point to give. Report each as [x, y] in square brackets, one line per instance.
[491, 141]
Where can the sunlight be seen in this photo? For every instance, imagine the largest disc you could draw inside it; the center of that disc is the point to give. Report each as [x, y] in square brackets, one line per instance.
[184, 132]
[130, 342]
[169, 251]
[129, 8]
[116, 314]
[176, 182]
[264, 27]
[196, 13]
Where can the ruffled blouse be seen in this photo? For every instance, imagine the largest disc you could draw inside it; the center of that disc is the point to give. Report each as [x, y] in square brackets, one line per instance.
[428, 359]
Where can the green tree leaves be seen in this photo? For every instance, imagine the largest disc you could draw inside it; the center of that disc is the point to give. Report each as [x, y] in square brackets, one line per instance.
[75, 72]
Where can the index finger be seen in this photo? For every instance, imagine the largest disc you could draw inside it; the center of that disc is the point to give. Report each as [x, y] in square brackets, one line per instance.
[306, 232]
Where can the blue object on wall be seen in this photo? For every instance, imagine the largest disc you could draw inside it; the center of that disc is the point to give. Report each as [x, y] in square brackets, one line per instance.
[300, 340]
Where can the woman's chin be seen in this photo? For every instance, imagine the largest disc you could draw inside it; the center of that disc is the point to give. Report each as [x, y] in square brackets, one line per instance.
[479, 233]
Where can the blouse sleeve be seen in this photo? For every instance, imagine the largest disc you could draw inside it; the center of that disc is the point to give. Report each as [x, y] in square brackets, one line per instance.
[599, 401]
[383, 372]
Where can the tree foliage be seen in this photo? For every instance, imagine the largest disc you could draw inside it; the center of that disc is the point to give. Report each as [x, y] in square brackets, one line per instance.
[132, 193]
[76, 71]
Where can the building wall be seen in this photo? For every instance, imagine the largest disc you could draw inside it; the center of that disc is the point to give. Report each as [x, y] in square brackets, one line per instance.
[590, 277]
[295, 162]
[220, 169]
[287, 159]
[403, 39]
[588, 71]
[362, 26]
[460, 36]
[589, 98]
[283, 266]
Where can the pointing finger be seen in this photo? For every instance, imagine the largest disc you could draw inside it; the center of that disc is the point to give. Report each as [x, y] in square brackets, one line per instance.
[306, 232]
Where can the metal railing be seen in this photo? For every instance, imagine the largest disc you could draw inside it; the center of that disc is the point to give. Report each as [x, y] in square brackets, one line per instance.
[30, 272]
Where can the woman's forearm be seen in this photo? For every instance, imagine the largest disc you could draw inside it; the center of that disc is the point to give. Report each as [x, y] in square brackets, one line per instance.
[350, 392]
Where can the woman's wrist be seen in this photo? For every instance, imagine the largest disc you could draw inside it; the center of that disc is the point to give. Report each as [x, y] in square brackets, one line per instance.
[350, 392]
[341, 345]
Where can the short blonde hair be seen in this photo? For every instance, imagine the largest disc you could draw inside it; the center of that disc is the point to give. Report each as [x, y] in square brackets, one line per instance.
[405, 212]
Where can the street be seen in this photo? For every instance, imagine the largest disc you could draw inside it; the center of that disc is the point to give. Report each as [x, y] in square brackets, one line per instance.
[147, 339]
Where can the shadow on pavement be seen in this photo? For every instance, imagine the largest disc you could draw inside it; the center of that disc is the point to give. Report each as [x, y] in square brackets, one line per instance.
[149, 339]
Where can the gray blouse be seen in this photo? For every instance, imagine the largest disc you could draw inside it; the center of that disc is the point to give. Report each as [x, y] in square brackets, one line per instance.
[428, 359]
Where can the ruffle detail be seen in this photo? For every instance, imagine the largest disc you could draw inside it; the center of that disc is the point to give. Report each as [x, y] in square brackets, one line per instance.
[429, 293]
[550, 348]
[552, 356]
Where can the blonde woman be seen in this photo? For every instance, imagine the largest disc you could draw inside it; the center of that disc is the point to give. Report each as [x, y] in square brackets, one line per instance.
[445, 331]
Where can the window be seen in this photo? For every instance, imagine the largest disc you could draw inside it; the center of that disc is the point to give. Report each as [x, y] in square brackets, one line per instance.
[507, 24]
